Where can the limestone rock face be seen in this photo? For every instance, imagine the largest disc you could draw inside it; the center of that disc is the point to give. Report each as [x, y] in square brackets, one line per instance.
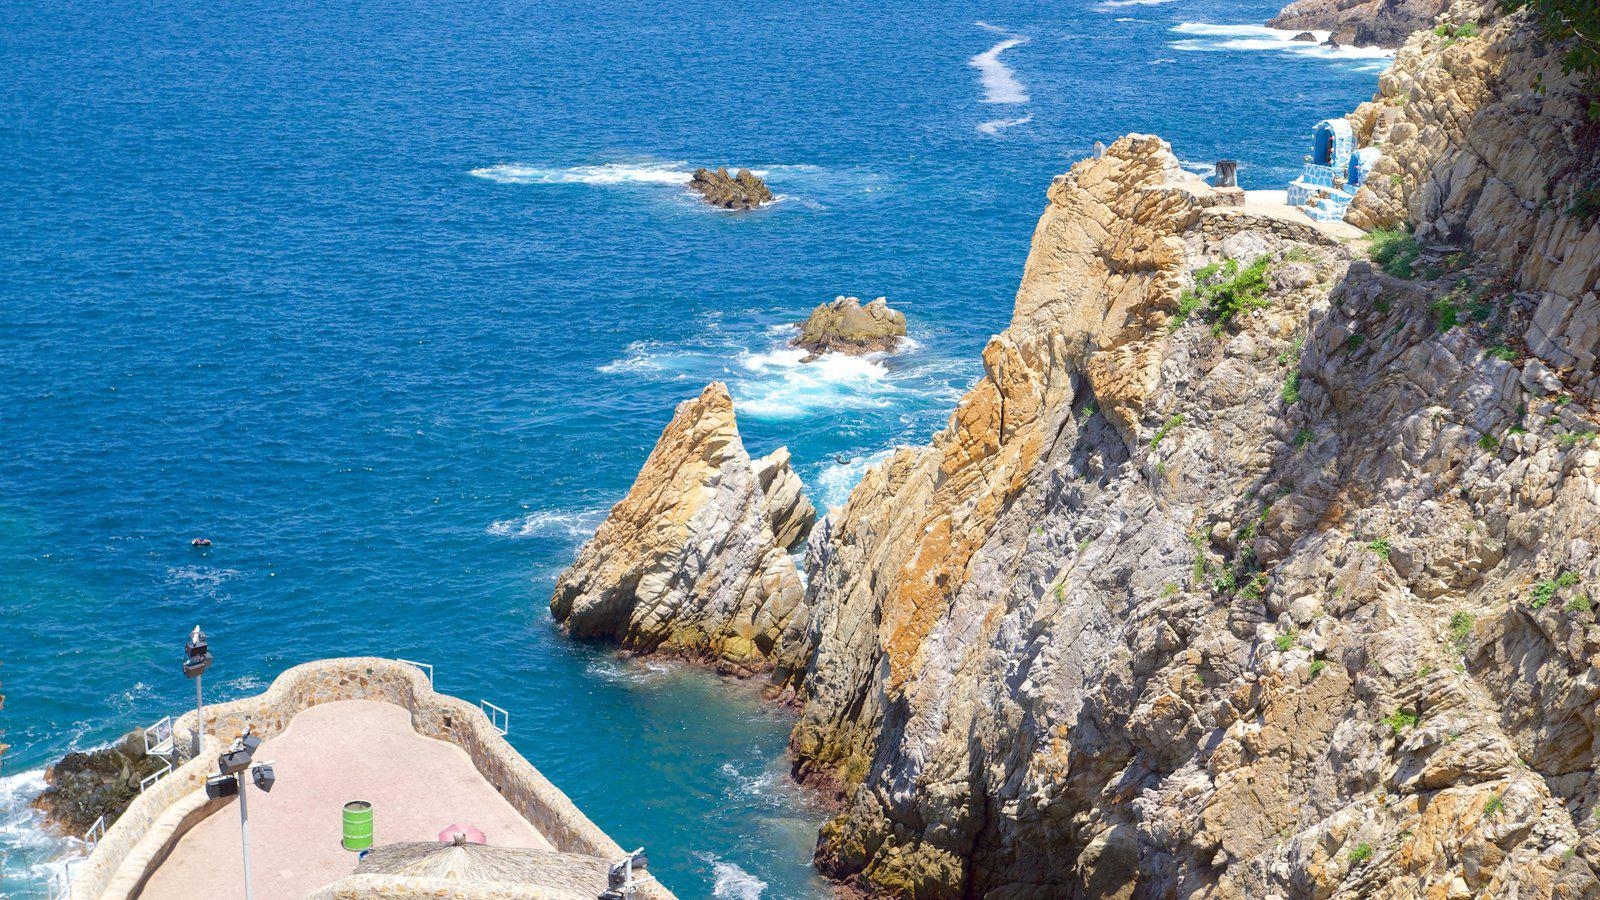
[741, 191]
[845, 326]
[1361, 23]
[694, 561]
[1227, 605]
[789, 513]
[1490, 152]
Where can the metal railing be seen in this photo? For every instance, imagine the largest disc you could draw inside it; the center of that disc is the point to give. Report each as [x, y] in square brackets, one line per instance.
[95, 833]
[426, 667]
[498, 717]
[158, 738]
[153, 777]
[60, 885]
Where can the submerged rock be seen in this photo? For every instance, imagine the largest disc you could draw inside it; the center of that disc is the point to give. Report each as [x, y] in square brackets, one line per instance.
[741, 191]
[82, 787]
[845, 326]
[695, 559]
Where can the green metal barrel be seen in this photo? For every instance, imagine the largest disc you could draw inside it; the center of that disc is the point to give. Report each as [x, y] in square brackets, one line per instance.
[357, 825]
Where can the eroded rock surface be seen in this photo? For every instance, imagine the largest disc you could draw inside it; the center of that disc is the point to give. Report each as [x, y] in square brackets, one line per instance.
[694, 561]
[1247, 570]
[84, 786]
[1240, 605]
[742, 191]
[845, 326]
[1361, 23]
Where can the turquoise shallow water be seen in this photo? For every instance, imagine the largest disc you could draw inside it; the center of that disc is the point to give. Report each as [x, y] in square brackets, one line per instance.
[390, 301]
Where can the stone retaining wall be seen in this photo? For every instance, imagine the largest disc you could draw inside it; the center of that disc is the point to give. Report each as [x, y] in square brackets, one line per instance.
[137, 843]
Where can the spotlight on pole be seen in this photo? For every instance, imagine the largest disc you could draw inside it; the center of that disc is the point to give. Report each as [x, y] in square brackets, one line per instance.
[219, 786]
[263, 776]
[196, 660]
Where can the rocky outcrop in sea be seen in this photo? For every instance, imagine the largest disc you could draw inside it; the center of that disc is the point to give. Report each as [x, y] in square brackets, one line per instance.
[1251, 567]
[695, 561]
[84, 786]
[742, 191]
[845, 326]
[1361, 23]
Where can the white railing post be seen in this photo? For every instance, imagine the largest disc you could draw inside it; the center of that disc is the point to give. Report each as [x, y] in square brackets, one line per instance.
[498, 717]
[95, 832]
[426, 667]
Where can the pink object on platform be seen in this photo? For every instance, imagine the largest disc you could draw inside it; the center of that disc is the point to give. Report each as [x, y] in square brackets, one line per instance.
[472, 835]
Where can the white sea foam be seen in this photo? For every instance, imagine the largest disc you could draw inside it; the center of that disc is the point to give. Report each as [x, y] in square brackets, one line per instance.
[781, 386]
[608, 174]
[831, 486]
[732, 882]
[1212, 38]
[1204, 170]
[1000, 84]
[623, 671]
[550, 523]
[31, 852]
[995, 126]
[202, 579]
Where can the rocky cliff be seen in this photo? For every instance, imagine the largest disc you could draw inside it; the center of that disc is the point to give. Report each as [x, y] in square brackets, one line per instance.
[1250, 568]
[694, 561]
[1361, 23]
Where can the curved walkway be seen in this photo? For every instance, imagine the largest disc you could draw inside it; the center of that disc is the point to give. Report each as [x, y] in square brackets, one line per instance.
[330, 754]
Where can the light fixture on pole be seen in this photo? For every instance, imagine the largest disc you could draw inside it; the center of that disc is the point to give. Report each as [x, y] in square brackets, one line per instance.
[196, 660]
[619, 881]
[232, 766]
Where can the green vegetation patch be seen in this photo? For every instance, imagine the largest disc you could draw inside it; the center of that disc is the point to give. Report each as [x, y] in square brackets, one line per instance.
[1395, 251]
[1223, 292]
[1381, 546]
[1399, 720]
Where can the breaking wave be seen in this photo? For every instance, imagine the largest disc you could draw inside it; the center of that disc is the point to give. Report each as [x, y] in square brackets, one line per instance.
[995, 126]
[1000, 84]
[1213, 38]
[608, 174]
[732, 882]
[550, 523]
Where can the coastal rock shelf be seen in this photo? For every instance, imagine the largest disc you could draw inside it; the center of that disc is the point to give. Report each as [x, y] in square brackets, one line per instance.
[1361, 23]
[695, 559]
[1251, 567]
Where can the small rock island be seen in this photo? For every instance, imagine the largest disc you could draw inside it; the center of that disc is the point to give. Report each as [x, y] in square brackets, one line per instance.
[845, 326]
[742, 191]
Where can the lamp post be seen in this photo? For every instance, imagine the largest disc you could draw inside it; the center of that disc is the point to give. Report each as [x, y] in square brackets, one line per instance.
[196, 660]
[232, 765]
[620, 883]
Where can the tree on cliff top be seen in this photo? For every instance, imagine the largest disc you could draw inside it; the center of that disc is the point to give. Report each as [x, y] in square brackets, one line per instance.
[1575, 23]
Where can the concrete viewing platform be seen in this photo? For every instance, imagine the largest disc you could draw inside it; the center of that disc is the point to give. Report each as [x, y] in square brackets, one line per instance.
[355, 729]
[1276, 204]
[346, 750]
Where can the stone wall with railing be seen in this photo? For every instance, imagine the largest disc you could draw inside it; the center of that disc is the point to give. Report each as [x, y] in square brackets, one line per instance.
[143, 836]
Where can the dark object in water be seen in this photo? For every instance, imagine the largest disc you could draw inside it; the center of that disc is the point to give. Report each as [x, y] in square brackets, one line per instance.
[200, 542]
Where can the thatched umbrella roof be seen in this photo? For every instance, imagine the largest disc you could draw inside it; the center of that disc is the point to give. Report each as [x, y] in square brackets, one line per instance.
[583, 876]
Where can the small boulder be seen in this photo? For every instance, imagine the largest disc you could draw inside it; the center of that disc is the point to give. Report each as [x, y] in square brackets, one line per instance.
[845, 326]
[741, 191]
[1306, 37]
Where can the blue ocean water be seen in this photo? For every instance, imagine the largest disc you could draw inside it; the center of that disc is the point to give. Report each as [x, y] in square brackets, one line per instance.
[390, 300]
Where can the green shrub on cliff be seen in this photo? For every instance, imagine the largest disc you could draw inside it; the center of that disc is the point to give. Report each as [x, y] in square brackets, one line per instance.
[1225, 292]
[1395, 251]
[1574, 24]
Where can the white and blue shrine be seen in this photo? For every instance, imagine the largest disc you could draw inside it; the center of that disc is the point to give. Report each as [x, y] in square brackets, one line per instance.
[1332, 173]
